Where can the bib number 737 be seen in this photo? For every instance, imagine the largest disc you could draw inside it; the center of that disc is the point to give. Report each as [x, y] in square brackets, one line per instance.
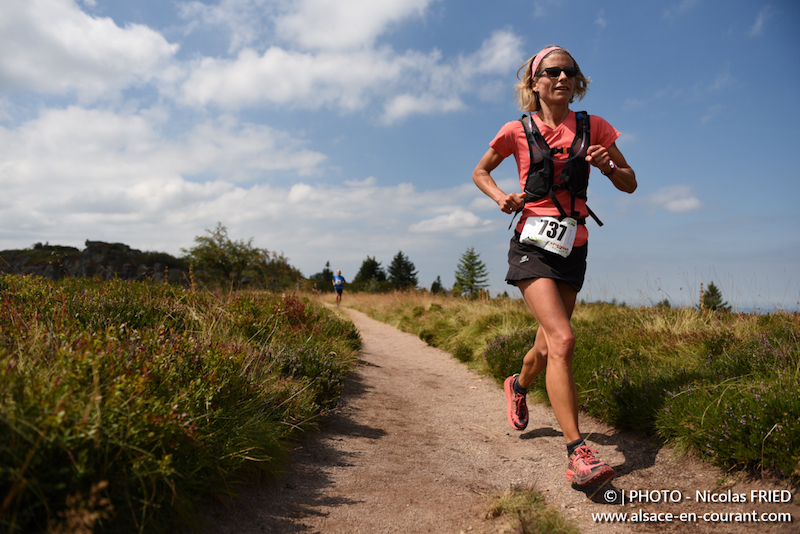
[548, 233]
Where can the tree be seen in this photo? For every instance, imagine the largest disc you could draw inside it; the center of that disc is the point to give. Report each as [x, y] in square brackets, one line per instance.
[664, 304]
[272, 272]
[436, 286]
[370, 277]
[324, 278]
[370, 270]
[401, 272]
[712, 299]
[471, 275]
[231, 264]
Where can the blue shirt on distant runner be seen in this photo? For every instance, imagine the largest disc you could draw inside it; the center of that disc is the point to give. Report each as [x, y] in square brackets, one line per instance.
[338, 285]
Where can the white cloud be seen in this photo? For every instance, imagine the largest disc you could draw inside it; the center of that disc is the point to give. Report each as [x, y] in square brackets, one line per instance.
[601, 19]
[712, 112]
[299, 79]
[676, 198]
[73, 168]
[498, 54]
[248, 21]
[83, 173]
[344, 25]
[679, 9]
[541, 8]
[766, 13]
[100, 144]
[411, 83]
[51, 46]
[459, 222]
[402, 106]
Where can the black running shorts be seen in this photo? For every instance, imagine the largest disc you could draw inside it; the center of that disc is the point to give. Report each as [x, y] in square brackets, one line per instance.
[528, 261]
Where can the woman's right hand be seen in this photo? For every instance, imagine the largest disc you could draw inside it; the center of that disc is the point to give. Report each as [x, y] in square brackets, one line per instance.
[511, 202]
[483, 179]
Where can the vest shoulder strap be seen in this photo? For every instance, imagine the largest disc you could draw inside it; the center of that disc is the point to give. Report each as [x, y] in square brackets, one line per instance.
[540, 174]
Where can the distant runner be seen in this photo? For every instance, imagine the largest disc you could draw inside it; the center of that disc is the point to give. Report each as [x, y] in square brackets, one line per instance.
[338, 286]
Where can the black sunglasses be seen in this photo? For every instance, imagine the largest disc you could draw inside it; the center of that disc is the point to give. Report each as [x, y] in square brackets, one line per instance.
[555, 72]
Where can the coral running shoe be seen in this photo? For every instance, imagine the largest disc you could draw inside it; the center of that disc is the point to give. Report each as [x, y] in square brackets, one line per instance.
[584, 468]
[517, 408]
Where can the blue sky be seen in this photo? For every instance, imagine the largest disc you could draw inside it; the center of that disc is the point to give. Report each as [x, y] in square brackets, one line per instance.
[333, 131]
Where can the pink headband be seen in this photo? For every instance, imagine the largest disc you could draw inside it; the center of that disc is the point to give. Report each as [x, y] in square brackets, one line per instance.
[539, 57]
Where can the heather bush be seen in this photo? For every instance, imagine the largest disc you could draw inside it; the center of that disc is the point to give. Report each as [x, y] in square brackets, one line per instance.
[125, 405]
[504, 354]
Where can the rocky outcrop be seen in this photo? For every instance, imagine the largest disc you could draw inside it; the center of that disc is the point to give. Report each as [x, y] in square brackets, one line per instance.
[105, 260]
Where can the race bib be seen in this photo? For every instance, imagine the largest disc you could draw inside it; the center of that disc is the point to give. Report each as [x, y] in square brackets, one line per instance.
[550, 234]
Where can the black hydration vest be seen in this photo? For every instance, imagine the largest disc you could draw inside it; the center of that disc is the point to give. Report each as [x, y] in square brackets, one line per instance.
[575, 174]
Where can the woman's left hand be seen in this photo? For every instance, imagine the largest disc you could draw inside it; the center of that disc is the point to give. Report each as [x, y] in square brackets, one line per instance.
[623, 178]
[598, 156]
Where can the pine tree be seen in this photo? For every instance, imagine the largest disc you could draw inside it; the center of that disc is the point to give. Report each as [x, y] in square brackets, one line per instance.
[401, 272]
[370, 270]
[471, 275]
[712, 299]
[436, 286]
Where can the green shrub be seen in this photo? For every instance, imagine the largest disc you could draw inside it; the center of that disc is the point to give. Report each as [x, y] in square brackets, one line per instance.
[739, 424]
[504, 354]
[463, 352]
[139, 401]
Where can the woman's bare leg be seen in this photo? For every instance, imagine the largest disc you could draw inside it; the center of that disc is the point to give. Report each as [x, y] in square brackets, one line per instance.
[552, 304]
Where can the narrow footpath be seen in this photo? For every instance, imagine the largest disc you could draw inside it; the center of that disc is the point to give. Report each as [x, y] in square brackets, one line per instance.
[420, 443]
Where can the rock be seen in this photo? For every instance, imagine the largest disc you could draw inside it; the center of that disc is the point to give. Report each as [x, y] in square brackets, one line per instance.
[106, 260]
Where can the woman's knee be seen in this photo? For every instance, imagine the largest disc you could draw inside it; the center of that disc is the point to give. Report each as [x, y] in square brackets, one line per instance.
[561, 345]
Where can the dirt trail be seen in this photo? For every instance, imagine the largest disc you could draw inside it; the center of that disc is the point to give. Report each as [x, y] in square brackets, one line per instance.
[420, 443]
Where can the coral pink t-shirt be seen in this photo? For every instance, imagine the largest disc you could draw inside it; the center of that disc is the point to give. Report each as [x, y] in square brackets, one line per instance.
[511, 140]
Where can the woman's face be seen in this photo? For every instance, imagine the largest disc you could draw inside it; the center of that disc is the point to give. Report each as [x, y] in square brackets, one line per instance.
[555, 90]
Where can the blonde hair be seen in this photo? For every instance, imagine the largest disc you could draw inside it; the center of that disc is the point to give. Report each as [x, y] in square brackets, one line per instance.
[527, 99]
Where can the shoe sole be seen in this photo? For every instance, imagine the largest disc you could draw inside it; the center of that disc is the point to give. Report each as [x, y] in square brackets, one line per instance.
[507, 386]
[604, 475]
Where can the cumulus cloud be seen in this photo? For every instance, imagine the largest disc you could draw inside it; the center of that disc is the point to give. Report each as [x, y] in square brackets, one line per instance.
[676, 198]
[402, 106]
[317, 25]
[52, 46]
[299, 79]
[405, 84]
[247, 21]
[459, 222]
[80, 173]
[77, 165]
[123, 162]
[355, 24]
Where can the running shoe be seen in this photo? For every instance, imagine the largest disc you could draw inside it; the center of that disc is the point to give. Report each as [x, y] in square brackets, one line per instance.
[517, 408]
[584, 468]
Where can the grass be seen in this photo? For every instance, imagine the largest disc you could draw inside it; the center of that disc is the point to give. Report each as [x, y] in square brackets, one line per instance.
[125, 406]
[724, 385]
[526, 513]
[459, 326]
